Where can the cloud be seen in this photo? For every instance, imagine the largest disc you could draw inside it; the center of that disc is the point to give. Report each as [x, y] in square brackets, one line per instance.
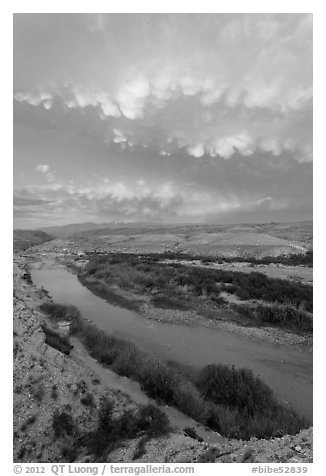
[208, 77]
[220, 101]
[196, 150]
[46, 170]
[24, 202]
[35, 98]
[43, 168]
[271, 145]
[131, 97]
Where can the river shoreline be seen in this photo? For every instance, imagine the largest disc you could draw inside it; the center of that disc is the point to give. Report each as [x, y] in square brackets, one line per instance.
[227, 320]
[270, 358]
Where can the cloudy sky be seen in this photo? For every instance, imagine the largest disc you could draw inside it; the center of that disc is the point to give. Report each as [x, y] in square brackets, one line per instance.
[163, 118]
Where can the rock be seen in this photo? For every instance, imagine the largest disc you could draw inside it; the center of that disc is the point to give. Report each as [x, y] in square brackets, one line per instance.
[246, 455]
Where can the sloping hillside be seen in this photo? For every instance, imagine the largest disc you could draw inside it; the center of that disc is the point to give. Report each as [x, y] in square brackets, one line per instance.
[24, 239]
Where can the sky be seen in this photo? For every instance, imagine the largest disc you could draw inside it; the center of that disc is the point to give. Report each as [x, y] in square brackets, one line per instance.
[169, 118]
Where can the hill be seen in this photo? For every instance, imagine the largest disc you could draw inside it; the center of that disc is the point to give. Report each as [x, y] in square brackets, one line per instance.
[244, 241]
[24, 239]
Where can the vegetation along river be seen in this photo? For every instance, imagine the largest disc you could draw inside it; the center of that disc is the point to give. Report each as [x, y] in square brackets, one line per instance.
[287, 371]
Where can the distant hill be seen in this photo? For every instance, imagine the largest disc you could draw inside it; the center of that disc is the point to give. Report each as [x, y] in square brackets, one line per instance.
[237, 240]
[72, 228]
[24, 239]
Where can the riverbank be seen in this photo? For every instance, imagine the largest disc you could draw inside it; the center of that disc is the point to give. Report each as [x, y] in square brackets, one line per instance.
[224, 319]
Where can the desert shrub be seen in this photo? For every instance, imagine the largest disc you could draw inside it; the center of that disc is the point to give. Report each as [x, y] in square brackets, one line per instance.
[280, 315]
[62, 423]
[54, 392]
[236, 388]
[158, 380]
[68, 448]
[16, 348]
[209, 456]
[38, 392]
[29, 421]
[148, 421]
[293, 259]
[88, 400]
[59, 312]
[57, 341]
[152, 421]
[140, 449]
[191, 432]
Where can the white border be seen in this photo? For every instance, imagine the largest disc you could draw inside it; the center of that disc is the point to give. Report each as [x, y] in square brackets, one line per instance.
[167, 6]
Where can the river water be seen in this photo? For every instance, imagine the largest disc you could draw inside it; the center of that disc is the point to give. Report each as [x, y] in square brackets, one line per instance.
[288, 372]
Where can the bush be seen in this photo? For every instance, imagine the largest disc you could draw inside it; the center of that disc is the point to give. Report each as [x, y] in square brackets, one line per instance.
[62, 423]
[38, 392]
[57, 341]
[280, 315]
[54, 392]
[140, 449]
[59, 312]
[88, 400]
[236, 388]
[191, 432]
[152, 420]
[148, 421]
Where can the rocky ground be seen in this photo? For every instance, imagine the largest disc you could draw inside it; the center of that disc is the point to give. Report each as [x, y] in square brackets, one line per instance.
[48, 383]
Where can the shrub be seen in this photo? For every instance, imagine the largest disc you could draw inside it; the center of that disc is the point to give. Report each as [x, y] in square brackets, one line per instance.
[30, 420]
[88, 400]
[38, 392]
[140, 449]
[62, 423]
[152, 421]
[191, 432]
[59, 312]
[57, 341]
[148, 421]
[54, 392]
[236, 388]
[280, 315]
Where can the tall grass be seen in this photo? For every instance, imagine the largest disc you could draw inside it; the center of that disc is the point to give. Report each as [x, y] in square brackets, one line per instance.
[280, 315]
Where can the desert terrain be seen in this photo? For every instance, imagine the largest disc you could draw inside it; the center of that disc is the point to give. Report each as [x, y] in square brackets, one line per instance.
[189, 276]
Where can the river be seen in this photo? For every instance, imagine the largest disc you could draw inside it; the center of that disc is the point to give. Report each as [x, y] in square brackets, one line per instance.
[288, 372]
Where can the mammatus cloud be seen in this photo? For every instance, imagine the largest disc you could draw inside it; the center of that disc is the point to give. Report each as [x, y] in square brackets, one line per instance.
[213, 139]
[185, 115]
[46, 170]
